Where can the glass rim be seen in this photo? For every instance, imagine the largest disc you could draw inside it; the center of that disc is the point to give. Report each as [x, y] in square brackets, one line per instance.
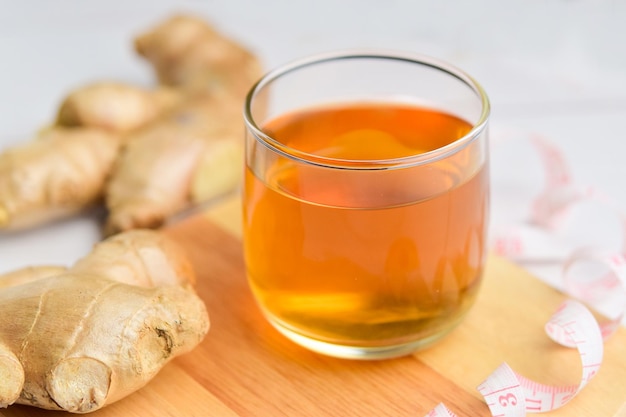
[366, 164]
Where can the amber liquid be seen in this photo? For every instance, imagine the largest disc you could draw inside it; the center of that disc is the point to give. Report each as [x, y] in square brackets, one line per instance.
[368, 258]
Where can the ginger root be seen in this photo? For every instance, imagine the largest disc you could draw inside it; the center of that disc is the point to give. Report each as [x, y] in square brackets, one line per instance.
[55, 175]
[116, 107]
[64, 169]
[159, 151]
[193, 154]
[82, 338]
[186, 52]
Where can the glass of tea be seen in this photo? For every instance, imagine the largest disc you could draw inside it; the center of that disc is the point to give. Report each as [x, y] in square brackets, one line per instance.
[366, 200]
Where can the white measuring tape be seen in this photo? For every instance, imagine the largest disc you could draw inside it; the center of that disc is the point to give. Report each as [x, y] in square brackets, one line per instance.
[593, 276]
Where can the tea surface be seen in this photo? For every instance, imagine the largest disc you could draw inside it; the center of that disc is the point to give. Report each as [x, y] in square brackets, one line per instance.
[366, 258]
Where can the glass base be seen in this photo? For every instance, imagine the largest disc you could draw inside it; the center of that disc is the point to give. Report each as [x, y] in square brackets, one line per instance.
[357, 352]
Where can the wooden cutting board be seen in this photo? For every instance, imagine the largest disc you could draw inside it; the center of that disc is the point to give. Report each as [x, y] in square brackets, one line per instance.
[246, 368]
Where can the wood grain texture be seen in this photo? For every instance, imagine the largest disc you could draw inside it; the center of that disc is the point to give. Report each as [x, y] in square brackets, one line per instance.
[246, 368]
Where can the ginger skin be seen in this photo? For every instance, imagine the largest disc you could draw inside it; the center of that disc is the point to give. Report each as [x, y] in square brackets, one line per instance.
[151, 179]
[29, 274]
[55, 175]
[176, 145]
[64, 169]
[193, 154]
[88, 336]
[115, 107]
[188, 53]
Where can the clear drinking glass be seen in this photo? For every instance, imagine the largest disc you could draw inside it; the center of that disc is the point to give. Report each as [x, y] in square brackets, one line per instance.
[366, 200]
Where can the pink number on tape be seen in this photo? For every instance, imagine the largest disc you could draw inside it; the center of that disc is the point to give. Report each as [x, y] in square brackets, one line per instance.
[504, 393]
